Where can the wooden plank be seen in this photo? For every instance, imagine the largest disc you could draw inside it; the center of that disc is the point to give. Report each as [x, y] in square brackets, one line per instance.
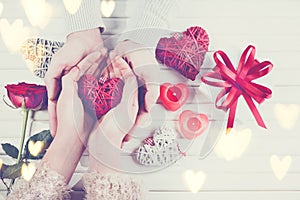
[12, 129]
[215, 195]
[174, 180]
[272, 110]
[232, 8]
[261, 140]
[227, 38]
[281, 59]
[278, 77]
[273, 29]
[211, 164]
[15, 10]
[113, 26]
[161, 181]
[221, 195]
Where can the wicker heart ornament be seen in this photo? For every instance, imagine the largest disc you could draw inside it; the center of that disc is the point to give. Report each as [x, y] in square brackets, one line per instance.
[40, 52]
[100, 96]
[185, 52]
[159, 150]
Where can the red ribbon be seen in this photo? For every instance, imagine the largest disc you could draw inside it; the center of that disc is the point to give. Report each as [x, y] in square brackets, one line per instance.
[236, 83]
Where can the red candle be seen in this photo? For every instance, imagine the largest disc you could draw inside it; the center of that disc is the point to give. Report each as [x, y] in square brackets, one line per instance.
[192, 124]
[173, 96]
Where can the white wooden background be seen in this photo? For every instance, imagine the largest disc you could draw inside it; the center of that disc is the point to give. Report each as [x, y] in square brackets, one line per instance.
[245, 170]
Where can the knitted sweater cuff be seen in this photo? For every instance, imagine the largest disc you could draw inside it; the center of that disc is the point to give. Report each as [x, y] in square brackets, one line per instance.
[88, 16]
[112, 186]
[45, 184]
[144, 26]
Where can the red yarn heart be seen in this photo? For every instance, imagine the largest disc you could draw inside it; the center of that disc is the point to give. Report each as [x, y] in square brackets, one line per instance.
[100, 97]
[184, 52]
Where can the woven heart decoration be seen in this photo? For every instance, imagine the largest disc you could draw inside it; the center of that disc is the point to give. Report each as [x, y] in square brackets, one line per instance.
[159, 150]
[39, 52]
[185, 52]
[100, 96]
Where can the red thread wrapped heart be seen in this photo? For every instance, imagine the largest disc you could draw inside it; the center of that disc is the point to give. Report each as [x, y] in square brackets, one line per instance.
[100, 97]
[185, 52]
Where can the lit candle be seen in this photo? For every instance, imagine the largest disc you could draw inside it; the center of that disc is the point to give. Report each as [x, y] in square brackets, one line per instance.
[192, 124]
[173, 96]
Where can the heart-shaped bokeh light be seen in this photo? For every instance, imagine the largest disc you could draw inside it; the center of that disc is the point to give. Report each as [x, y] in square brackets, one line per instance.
[38, 12]
[1, 7]
[35, 148]
[72, 6]
[107, 7]
[287, 115]
[1, 163]
[232, 146]
[14, 34]
[194, 180]
[27, 171]
[280, 166]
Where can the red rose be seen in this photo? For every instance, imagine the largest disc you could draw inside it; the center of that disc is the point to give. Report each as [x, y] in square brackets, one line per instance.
[34, 96]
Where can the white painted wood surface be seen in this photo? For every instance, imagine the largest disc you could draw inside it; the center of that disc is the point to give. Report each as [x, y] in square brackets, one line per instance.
[273, 27]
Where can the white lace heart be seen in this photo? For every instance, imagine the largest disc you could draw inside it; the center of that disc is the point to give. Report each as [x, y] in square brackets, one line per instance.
[163, 151]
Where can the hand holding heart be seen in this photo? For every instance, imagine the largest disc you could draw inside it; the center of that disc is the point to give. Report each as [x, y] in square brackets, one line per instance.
[70, 120]
[145, 67]
[76, 125]
[99, 99]
[76, 48]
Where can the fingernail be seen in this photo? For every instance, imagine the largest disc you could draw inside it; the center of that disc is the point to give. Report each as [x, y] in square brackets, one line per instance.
[77, 72]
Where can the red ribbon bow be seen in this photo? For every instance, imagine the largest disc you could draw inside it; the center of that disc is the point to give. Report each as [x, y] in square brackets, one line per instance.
[239, 82]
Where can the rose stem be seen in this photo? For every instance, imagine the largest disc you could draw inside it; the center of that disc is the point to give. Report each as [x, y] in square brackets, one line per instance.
[24, 125]
[25, 119]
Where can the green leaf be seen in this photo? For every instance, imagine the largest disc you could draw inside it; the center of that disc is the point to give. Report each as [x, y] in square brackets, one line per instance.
[12, 171]
[10, 150]
[2, 168]
[43, 136]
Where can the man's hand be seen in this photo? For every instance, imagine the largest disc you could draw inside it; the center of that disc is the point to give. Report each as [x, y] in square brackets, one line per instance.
[143, 63]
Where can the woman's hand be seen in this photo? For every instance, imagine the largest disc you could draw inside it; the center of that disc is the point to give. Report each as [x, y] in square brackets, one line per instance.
[108, 135]
[74, 124]
[78, 45]
[71, 116]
